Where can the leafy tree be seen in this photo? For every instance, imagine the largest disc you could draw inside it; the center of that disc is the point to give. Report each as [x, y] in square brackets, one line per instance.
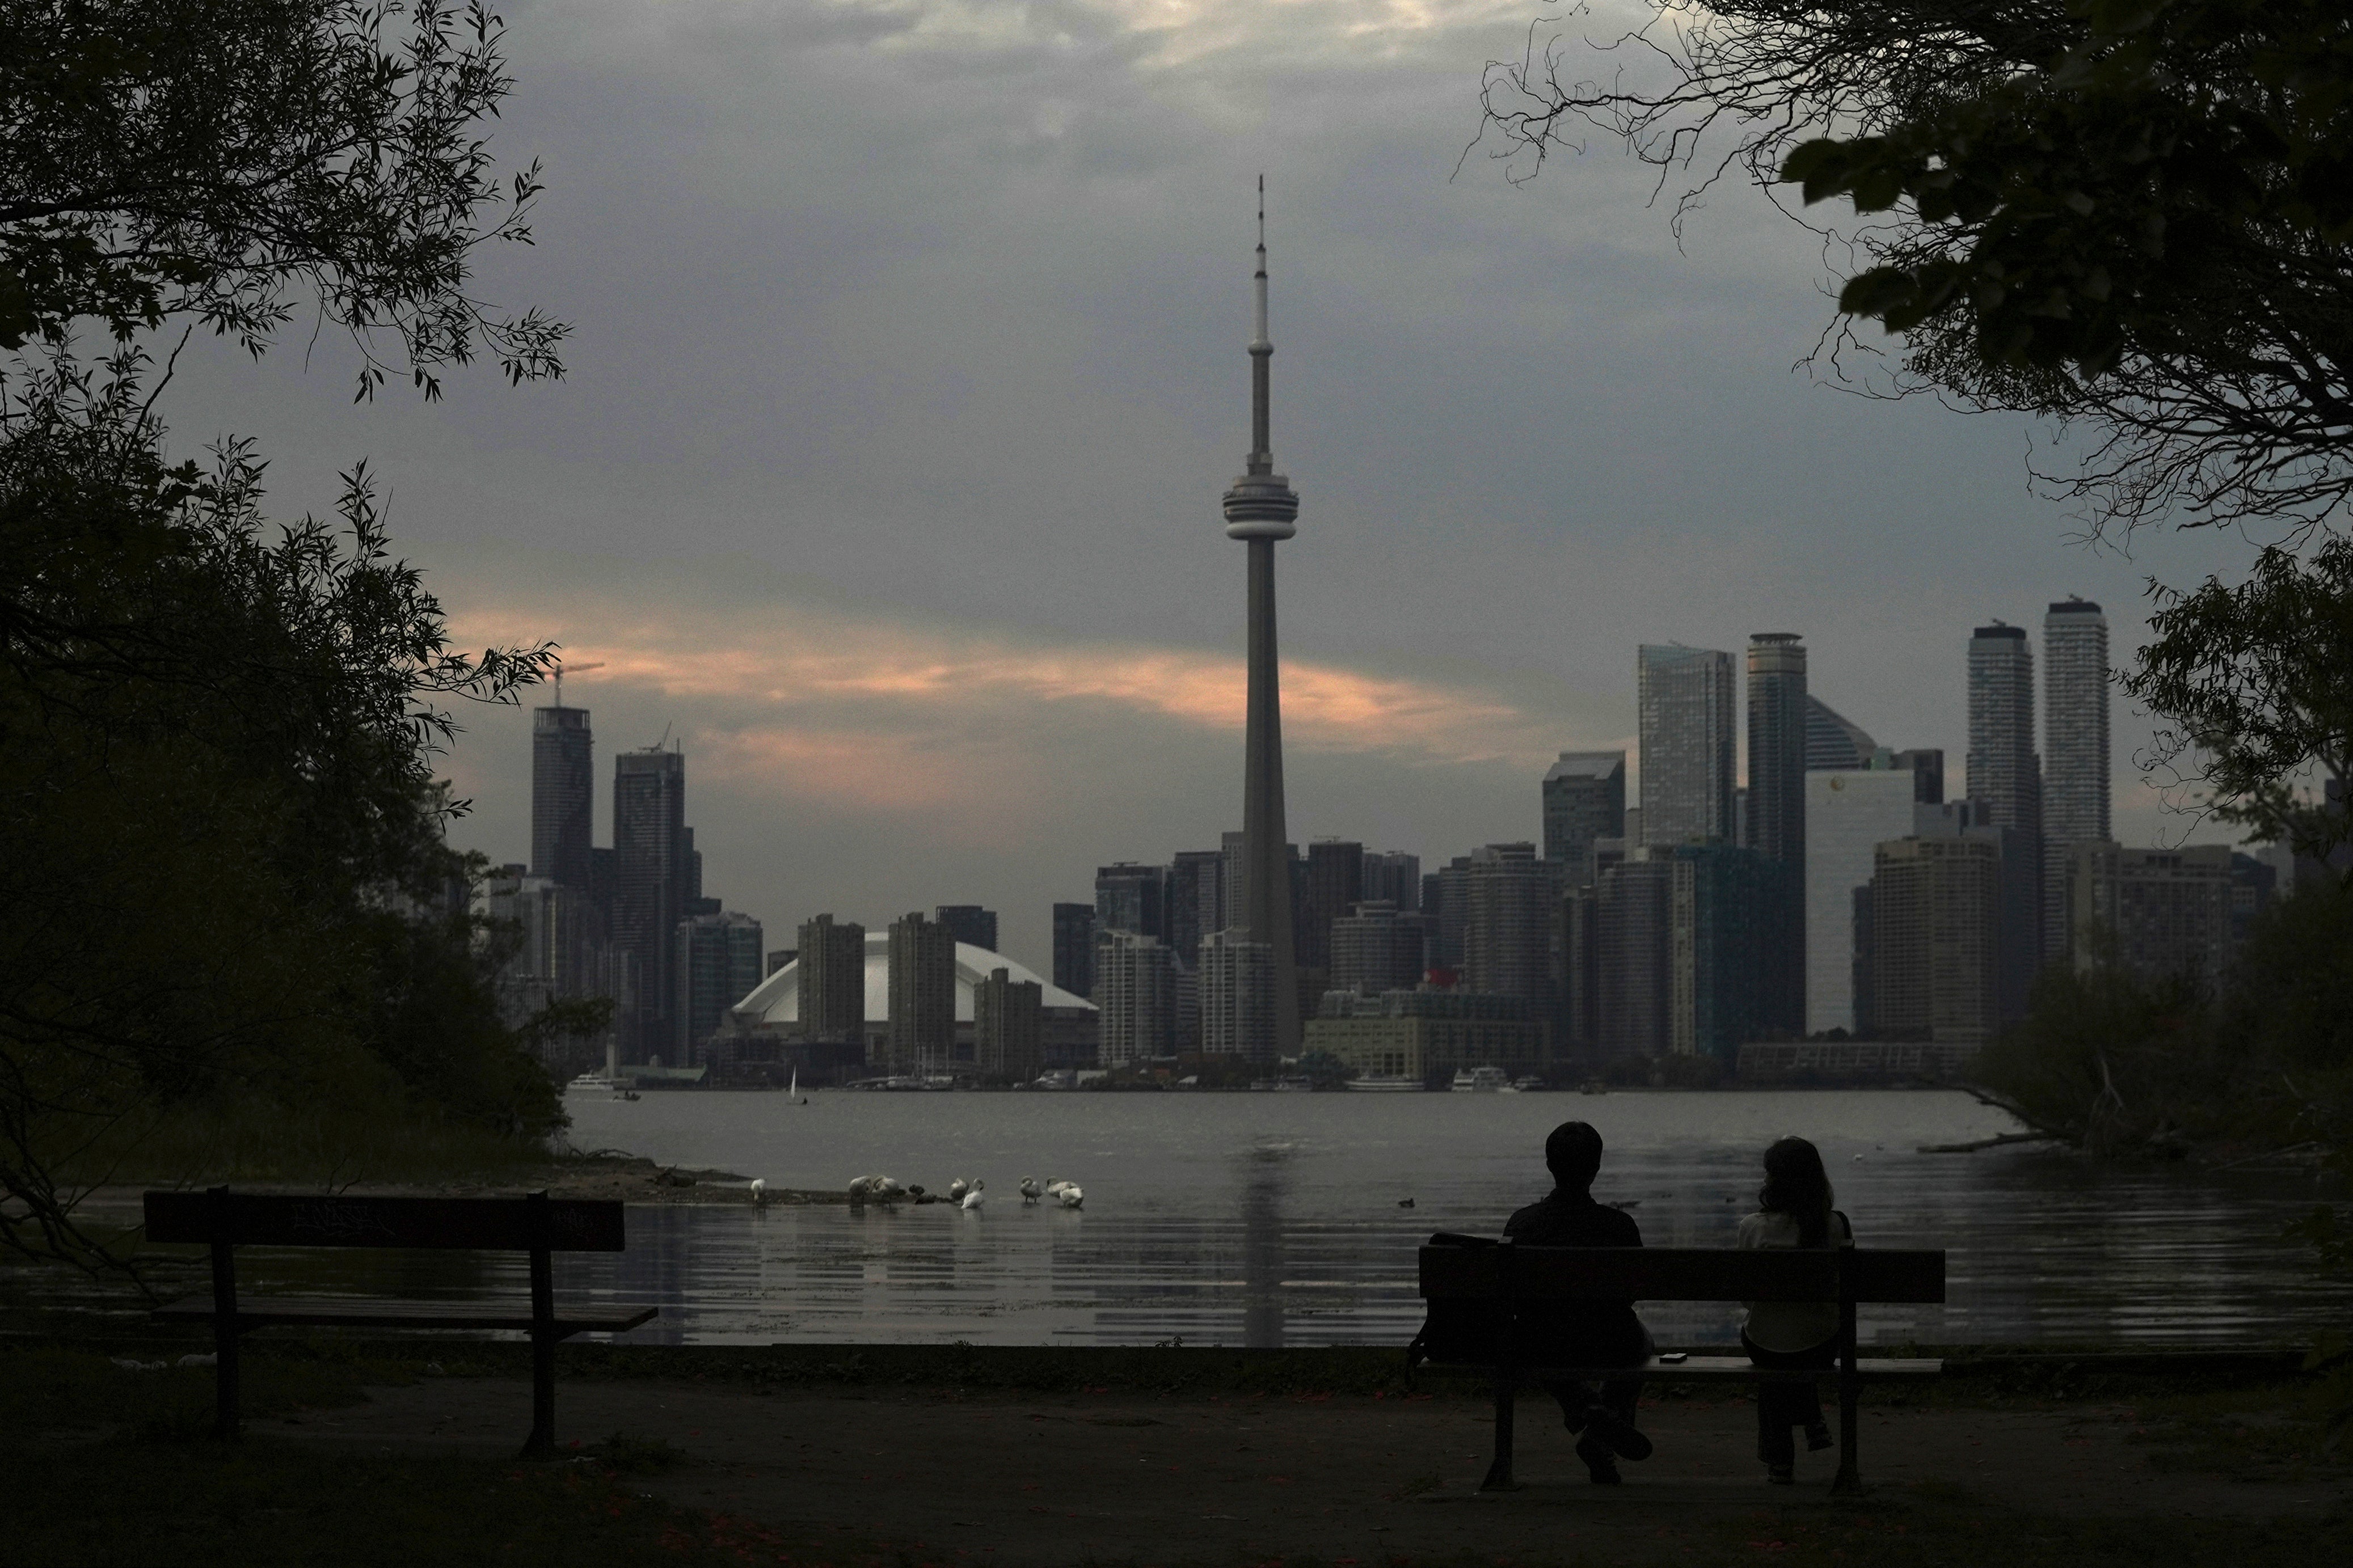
[223, 161]
[2250, 684]
[2134, 213]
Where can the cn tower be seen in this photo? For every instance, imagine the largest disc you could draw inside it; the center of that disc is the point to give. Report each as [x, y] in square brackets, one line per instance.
[1260, 510]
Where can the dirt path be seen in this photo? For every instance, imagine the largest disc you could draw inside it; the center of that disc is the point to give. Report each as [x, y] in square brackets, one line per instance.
[1064, 1480]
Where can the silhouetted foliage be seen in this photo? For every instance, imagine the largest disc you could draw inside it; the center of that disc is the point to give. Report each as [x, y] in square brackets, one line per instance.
[2250, 689]
[224, 159]
[2135, 212]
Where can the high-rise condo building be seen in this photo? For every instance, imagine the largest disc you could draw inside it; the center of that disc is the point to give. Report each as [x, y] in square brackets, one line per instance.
[1262, 509]
[1009, 1028]
[1335, 884]
[1395, 876]
[1376, 948]
[1452, 912]
[1935, 906]
[651, 876]
[2160, 913]
[1131, 898]
[1074, 949]
[1633, 966]
[1849, 813]
[832, 982]
[969, 923]
[716, 964]
[562, 796]
[1584, 799]
[1721, 900]
[2075, 752]
[1238, 996]
[1507, 928]
[1136, 997]
[1196, 901]
[1834, 743]
[1688, 711]
[2004, 771]
[922, 995]
[1774, 823]
[1580, 973]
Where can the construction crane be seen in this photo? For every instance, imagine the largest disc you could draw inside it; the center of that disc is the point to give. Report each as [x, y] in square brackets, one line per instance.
[599, 664]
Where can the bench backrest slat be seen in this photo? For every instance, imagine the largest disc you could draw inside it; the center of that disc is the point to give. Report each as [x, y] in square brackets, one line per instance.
[273, 1219]
[1681, 1274]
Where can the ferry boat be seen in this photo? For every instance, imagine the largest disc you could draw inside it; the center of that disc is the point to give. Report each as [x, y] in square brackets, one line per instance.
[1384, 1083]
[594, 1083]
[1482, 1080]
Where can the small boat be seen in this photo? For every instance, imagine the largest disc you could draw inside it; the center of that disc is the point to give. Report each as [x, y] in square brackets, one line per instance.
[626, 1094]
[593, 1083]
[1384, 1083]
[1594, 1085]
[1482, 1080]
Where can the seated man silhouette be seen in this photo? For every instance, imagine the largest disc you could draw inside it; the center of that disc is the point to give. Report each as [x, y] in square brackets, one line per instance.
[1587, 1333]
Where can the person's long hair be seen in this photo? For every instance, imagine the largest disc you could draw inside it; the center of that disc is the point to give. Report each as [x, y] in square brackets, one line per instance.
[1797, 1186]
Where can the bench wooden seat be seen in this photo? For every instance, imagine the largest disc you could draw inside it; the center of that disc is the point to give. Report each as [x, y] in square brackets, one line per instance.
[533, 1224]
[1508, 1277]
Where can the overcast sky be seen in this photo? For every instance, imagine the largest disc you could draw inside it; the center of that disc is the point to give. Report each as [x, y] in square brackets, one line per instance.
[910, 368]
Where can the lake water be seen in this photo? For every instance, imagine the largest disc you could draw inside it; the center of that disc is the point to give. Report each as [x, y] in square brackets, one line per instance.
[1271, 1219]
[1275, 1219]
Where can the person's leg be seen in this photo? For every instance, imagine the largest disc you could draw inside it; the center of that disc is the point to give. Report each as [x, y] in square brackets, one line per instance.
[1611, 1418]
[1779, 1407]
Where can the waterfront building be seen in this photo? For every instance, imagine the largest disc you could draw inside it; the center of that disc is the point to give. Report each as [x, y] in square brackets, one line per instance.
[922, 1016]
[1774, 825]
[1583, 800]
[1507, 926]
[2004, 771]
[969, 924]
[650, 885]
[1376, 948]
[1688, 707]
[1394, 875]
[1427, 1034]
[1719, 898]
[715, 964]
[1935, 920]
[1579, 940]
[2254, 883]
[1009, 1028]
[1926, 766]
[2160, 913]
[1074, 949]
[1835, 744]
[1451, 909]
[1849, 813]
[1262, 510]
[562, 796]
[1238, 996]
[1632, 961]
[829, 982]
[1196, 901]
[2075, 754]
[1136, 998]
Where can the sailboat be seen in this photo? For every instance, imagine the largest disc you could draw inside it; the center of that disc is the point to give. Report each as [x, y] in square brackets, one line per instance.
[793, 1095]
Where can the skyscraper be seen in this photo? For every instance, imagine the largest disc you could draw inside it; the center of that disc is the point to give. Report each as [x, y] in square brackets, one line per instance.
[2004, 772]
[650, 875]
[1074, 949]
[1009, 1028]
[1834, 742]
[832, 982]
[1375, 949]
[1196, 901]
[1238, 996]
[1688, 707]
[2075, 752]
[1849, 813]
[1136, 997]
[1393, 875]
[923, 994]
[1507, 928]
[562, 796]
[1584, 799]
[1631, 968]
[716, 966]
[1936, 912]
[1778, 716]
[1261, 509]
[969, 923]
[1132, 898]
[1335, 884]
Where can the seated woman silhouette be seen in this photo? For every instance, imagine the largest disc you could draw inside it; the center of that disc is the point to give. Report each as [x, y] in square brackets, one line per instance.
[1793, 1210]
[1588, 1333]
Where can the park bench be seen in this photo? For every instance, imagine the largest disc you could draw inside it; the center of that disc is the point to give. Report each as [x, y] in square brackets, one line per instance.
[535, 1223]
[1495, 1281]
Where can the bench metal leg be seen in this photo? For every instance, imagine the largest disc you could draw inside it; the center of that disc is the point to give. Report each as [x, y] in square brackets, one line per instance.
[224, 1329]
[543, 1332]
[1499, 1472]
[1849, 1387]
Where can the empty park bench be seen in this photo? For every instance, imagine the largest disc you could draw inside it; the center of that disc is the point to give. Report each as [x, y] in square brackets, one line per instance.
[535, 1223]
[1489, 1283]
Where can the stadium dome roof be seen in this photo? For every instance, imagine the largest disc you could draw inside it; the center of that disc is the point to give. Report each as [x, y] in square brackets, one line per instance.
[777, 999]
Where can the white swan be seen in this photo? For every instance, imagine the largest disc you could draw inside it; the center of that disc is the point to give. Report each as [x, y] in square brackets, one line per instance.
[1030, 1191]
[956, 1190]
[1070, 1195]
[973, 1197]
[759, 1193]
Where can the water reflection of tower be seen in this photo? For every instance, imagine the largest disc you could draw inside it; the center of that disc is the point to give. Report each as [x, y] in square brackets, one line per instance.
[1266, 1173]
